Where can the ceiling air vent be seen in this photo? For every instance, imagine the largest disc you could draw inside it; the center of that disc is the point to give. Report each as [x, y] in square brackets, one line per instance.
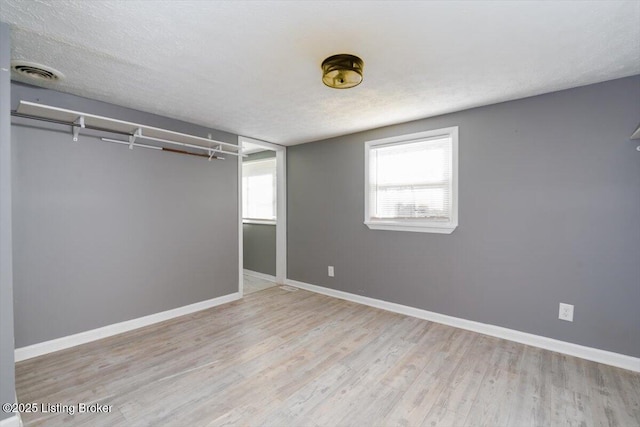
[34, 71]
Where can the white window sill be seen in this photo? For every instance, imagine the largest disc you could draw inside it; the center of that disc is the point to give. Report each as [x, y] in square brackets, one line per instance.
[416, 228]
[259, 221]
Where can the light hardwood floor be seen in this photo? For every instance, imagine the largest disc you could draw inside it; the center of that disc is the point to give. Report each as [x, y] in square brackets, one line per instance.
[255, 284]
[283, 358]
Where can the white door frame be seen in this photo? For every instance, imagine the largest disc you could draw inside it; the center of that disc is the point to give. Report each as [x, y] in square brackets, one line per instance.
[281, 211]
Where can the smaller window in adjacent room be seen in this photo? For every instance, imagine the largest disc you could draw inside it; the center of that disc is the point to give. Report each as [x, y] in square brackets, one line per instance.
[259, 191]
[412, 182]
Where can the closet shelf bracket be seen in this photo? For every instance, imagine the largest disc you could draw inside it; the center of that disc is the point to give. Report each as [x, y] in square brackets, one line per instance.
[132, 138]
[77, 125]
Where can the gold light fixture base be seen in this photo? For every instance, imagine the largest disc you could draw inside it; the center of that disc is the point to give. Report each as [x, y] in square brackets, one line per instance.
[342, 71]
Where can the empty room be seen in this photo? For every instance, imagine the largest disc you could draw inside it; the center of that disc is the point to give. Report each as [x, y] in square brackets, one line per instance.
[319, 213]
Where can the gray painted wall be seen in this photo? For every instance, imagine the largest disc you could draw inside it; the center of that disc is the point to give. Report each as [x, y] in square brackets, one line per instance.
[549, 212]
[7, 372]
[259, 240]
[259, 248]
[104, 234]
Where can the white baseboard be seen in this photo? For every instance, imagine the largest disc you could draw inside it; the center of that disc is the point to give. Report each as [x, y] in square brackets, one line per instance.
[14, 421]
[117, 328]
[583, 352]
[259, 275]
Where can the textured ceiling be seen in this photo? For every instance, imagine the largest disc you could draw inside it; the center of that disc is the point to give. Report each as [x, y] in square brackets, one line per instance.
[253, 68]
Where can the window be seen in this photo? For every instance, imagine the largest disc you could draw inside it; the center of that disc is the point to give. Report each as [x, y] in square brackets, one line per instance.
[259, 191]
[412, 182]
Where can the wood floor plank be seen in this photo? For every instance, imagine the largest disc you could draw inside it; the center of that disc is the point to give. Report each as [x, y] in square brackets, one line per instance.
[493, 399]
[433, 380]
[611, 404]
[279, 358]
[532, 403]
[457, 399]
[570, 408]
[255, 284]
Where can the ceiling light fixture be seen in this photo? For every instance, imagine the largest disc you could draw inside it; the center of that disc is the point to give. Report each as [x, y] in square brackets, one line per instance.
[342, 71]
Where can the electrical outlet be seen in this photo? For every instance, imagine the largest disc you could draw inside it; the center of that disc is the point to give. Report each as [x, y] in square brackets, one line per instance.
[330, 271]
[566, 312]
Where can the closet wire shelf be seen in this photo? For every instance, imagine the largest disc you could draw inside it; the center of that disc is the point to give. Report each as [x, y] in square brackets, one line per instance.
[134, 132]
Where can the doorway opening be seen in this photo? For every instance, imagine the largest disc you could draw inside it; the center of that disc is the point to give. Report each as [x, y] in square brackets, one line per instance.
[262, 222]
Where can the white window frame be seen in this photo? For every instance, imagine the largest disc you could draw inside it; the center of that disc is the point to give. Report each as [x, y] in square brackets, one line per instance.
[265, 221]
[415, 225]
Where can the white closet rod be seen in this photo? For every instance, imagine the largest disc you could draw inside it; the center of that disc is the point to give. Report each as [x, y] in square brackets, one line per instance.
[79, 120]
[184, 144]
[155, 147]
[116, 141]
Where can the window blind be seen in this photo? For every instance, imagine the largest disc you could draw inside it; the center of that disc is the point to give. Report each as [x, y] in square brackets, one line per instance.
[259, 189]
[411, 180]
